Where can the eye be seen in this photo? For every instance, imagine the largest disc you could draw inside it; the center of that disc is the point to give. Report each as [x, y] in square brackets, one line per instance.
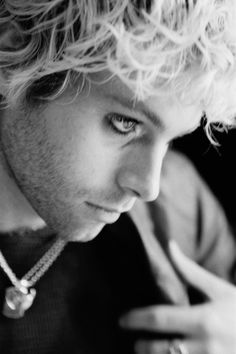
[123, 125]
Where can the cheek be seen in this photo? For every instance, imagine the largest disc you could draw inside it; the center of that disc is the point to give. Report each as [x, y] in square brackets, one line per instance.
[82, 152]
[86, 159]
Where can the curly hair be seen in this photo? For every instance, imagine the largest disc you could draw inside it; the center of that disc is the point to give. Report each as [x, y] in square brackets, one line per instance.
[161, 47]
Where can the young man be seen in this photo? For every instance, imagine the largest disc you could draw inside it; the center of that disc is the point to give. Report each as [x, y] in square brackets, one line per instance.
[93, 92]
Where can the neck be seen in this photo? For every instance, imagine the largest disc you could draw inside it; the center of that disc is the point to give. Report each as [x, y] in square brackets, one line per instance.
[16, 212]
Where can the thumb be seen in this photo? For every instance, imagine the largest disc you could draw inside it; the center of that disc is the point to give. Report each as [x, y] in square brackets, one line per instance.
[193, 274]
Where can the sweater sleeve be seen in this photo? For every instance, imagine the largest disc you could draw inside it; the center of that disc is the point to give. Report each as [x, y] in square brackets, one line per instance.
[195, 218]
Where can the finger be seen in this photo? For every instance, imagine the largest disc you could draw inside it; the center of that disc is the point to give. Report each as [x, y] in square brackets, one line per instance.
[151, 347]
[165, 319]
[164, 347]
[198, 277]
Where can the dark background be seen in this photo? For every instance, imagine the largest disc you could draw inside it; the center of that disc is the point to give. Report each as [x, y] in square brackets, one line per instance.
[217, 165]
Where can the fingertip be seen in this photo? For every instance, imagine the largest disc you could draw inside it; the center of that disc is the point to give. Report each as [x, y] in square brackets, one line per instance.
[126, 320]
[123, 321]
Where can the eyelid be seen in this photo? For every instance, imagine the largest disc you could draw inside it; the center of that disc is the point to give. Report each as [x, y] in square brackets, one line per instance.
[112, 117]
[125, 117]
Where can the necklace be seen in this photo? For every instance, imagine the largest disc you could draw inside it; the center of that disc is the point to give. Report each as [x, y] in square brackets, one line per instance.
[20, 296]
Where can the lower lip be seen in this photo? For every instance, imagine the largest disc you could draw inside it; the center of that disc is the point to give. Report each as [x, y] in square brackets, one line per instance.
[104, 215]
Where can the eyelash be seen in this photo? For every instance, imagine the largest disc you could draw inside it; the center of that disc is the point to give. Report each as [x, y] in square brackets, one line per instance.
[120, 119]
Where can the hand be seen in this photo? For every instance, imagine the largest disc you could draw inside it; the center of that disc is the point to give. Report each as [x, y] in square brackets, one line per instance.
[208, 328]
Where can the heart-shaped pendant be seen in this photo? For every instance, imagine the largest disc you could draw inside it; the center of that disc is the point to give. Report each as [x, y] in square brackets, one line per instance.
[17, 301]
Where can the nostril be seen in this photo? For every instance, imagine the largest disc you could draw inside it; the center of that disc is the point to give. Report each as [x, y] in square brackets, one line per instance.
[136, 194]
[133, 192]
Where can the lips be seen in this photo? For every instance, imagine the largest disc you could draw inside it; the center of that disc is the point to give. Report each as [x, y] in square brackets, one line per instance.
[103, 214]
[111, 210]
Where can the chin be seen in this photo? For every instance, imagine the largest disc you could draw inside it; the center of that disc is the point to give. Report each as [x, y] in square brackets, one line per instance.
[82, 234]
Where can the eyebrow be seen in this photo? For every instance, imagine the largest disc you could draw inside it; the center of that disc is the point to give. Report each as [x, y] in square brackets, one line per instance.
[140, 107]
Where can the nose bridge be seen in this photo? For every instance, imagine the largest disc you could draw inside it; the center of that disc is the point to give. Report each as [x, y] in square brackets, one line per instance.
[141, 172]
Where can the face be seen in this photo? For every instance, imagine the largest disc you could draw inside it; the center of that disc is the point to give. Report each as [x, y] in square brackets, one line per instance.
[82, 162]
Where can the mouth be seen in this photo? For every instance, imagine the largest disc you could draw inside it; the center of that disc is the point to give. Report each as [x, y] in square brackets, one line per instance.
[103, 214]
[105, 209]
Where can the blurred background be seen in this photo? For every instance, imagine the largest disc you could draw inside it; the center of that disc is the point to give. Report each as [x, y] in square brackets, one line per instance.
[217, 165]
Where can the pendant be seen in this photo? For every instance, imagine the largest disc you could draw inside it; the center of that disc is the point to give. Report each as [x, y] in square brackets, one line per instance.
[17, 301]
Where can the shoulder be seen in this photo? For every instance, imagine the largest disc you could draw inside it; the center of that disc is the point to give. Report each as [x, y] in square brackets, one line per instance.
[182, 186]
[193, 215]
[177, 170]
[187, 211]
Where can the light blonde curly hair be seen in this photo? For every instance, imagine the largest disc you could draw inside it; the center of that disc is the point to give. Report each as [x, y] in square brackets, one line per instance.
[162, 47]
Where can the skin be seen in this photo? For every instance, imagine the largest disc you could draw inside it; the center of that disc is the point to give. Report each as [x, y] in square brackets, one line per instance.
[81, 162]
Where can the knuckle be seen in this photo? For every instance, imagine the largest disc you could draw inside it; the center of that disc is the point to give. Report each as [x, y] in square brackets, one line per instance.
[153, 320]
[162, 320]
[208, 322]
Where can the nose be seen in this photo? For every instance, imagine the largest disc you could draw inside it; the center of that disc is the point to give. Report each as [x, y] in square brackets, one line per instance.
[139, 175]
